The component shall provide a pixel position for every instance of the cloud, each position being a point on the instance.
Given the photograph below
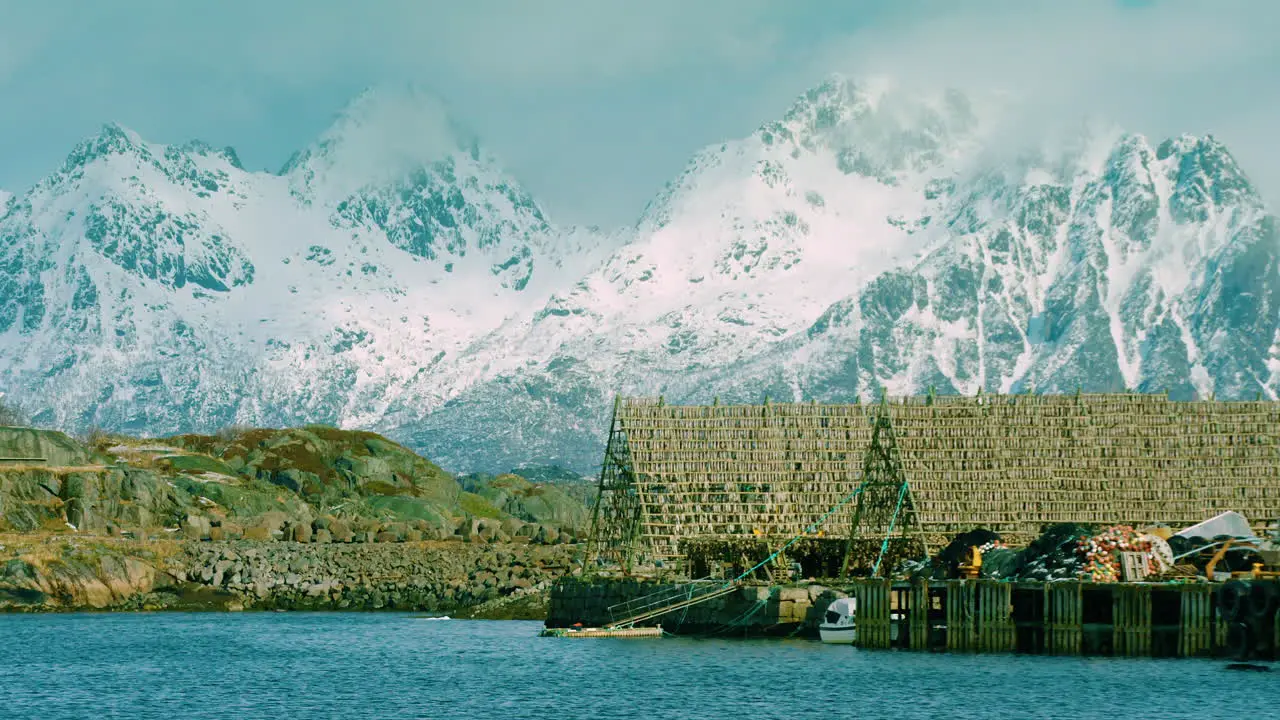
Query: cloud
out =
(1161, 68)
(595, 103)
(386, 133)
(1086, 42)
(300, 41)
(20, 42)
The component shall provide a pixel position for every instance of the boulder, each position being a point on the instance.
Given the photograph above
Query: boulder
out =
(366, 469)
(323, 536)
(302, 533)
(470, 531)
(274, 522)
(196, 527)
(512, 526)
(257, 532)
(341, 530)
(79, 513)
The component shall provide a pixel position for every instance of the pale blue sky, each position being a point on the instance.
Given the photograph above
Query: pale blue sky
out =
(594, 104)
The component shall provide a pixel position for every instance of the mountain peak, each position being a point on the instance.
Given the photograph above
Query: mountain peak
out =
(1206, 175)
(872, 112)
(385, 133)
(199, 147)
(835, 100)
(112, 139)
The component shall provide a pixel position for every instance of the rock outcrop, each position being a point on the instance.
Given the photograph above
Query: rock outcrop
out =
(93, 499)
(305, 484)
(310, 518)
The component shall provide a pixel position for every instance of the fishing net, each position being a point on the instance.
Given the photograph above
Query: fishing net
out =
(1055, 554)
(1001, 563)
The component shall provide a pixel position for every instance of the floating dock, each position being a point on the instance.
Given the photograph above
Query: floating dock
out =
(629, 632)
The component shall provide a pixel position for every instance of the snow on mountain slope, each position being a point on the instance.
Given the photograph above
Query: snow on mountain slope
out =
(871, 238)
(874, 240)
(759, 236)
(160, 288)
(1153, 269)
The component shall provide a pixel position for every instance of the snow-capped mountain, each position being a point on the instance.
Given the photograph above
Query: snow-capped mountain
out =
(155, 288)
(871, 238)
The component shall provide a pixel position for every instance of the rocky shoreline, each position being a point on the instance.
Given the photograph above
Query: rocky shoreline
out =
(312, 518)
(63, 573)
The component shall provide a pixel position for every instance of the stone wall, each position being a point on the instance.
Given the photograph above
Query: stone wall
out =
(749, 610)
(66, 573)
(401, 576)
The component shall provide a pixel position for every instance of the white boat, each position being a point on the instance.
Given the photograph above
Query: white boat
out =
(839, 626)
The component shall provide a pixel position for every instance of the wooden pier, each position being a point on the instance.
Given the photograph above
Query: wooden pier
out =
(1064, 618)
(1159, 619)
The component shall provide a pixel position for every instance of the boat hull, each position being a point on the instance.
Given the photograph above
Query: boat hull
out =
(838, 634)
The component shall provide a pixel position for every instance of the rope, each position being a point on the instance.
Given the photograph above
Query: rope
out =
(684, 614)
(856, 491)
(884, 546)
(742, 619)
(759, 604)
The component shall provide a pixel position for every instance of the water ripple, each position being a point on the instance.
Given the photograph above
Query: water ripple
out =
(272, 665)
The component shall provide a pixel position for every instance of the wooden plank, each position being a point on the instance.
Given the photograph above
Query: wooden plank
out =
(873, 612)
(1131, 620)
(995, 603)
(1195, 621)
(919, 615)
(1064, 618)
(961, 616)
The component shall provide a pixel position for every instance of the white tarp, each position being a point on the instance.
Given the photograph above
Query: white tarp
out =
(1228, 523)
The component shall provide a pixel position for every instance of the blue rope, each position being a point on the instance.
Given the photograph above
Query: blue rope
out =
(807, 530)
(884, 546)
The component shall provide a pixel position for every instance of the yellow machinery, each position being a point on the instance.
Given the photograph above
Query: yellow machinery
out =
(1257, 573)
(973, 568)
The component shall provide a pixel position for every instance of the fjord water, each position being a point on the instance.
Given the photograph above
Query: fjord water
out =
(341, 665)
